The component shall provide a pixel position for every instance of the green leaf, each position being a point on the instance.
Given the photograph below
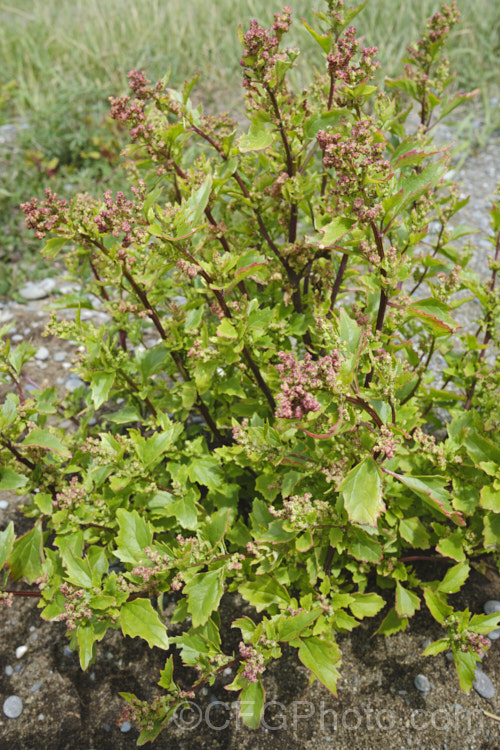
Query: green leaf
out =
(318, 122)
(406, 601)
(435, 315)
(167, 674)
(129, 413)
(135, 534)
(7, 537)
(490, 498)
(392, 623)
(350, 332)
(216, 529)
(45, 439)
(452, 546)
(78, 570)
(322, 658)
(258, 138)
(437, 647)
(204, 593)
(252, 704)
(86, 649)
(197, 202)
(366, 605)
(364, 548)
(304, 542)
(26, 557)
(289, 628)
(437, 605)
(413, 530)
(465, 663)
(431, 491)
(11, 480)
(484, 624)
(138, 619)
(100, 387)
(491, 531)
(54, 246)
(324, 40)
(226, 330)
(332, 232)
(206, 471)
(264, 592)
(455, 578)
(149, 450)
(362, 492)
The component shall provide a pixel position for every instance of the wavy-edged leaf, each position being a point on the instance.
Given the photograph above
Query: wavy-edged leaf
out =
(322, 658)
(204, 593)
(45, 439)
(138, 619)
(362, 493)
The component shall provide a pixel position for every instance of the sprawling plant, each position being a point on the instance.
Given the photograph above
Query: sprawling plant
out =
(262, 412)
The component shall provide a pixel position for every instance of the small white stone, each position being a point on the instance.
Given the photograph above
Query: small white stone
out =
(20, 651)
(125, 727)
(16, 338)
(13, 706)
(33, 291)
(42, 354)
(59, 356)
(9, 670)
(491, 607)
(4, 504)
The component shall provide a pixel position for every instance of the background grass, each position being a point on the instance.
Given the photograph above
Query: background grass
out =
(62, 59)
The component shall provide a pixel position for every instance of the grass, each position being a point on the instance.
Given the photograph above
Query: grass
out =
(61, 61)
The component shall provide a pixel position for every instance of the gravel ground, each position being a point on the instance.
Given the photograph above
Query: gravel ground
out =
(378, 704)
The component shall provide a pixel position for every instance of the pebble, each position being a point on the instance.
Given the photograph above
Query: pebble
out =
(20, 651)
(16, 338)
(4, 504)
(73, 382)
(37, 289)
(9, 671)
(41, 717)
(42, 354)
(483, 685)
(13, 706)
(125, 727)
(422, 683)
(494, 634)
(491, 606)
(67, 651)
(59, 356)
(36, 686)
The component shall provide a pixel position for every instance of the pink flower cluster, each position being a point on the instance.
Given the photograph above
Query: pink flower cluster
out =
(352, 157)
(478, 643)
(342, 63)
(75, 608)
(123, 216)
(299, 378)
(160, 564)
(298, 507)
(261, 52)
(387, 442)
(254, 662)
(70, 497)
(438, 27)
(44, 217)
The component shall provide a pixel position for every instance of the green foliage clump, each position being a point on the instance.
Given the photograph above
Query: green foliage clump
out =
(262, 414)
